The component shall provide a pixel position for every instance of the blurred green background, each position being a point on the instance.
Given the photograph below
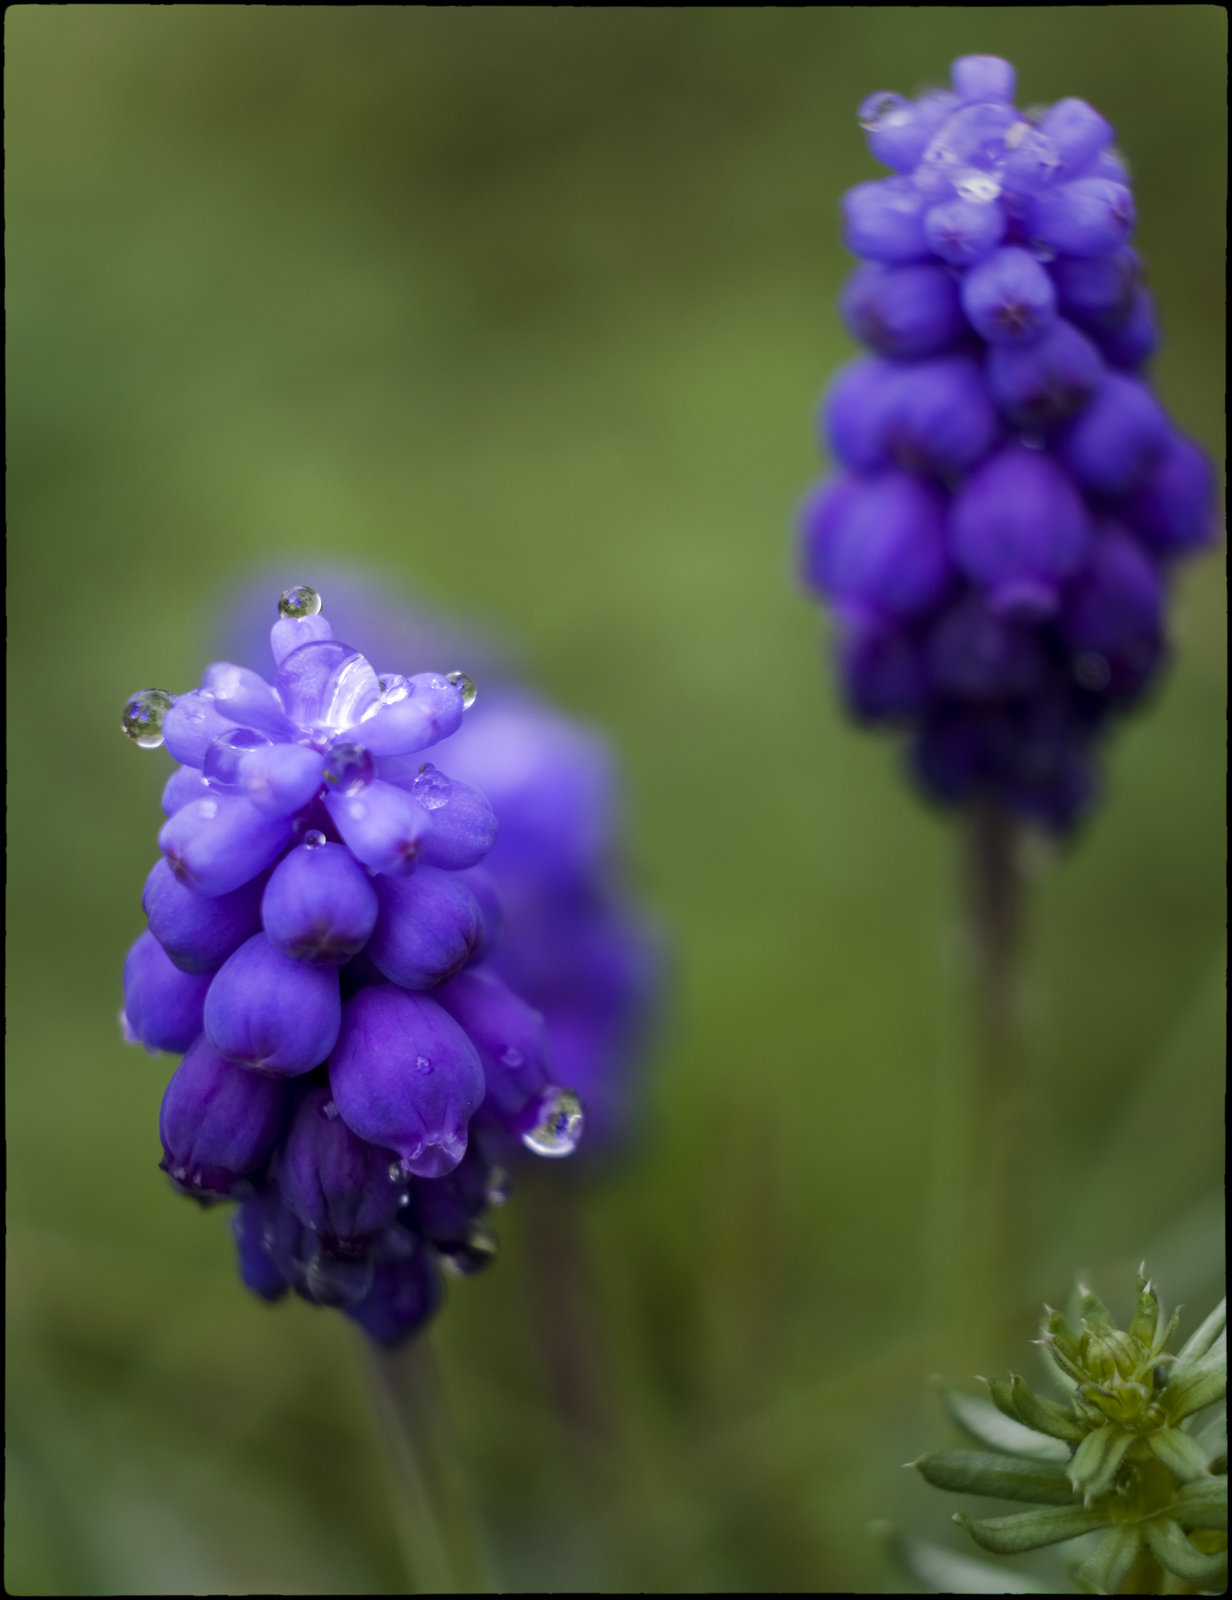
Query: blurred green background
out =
(530, 308)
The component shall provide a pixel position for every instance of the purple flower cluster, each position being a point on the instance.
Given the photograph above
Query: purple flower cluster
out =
(318, 927)
(1012, 495)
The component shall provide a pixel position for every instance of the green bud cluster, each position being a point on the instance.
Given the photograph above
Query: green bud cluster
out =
(1127, 1453)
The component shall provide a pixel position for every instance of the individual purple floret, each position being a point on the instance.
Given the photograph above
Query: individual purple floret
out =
(1010, 494)
(312, 923)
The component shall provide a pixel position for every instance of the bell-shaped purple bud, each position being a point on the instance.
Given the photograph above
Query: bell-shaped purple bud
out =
(881, 671)
(1134, 341)
(383, 826)
(899, 130)
(1032, 165)
(191, 726)
(429, 925)
(938, 418)
(336, 1184)
(1088, 217)
(198, 932)
(973, 654)
(271, 1013)
(319, 905)
(983, 78)
(405, 1076)
(1173, 510)
(279, 779)
(820, 517)
(429, 708)
(482, 885)
(963, 232)
(1019, 529)
(1097, 292)
(954, 756)
(218, 1123)
(1037, 385)
(185, 785)
(217, 844)
(404, 1295)
(854, 412)
(1116, 601)
(445, 1210)
(510, 1036)
(1112, 445)
(1078, 132)
(244, 697)
(162, 1004)
(1008, 297)
(885, 550)
(884, 220)
(464, 825)
(257, 1218)
(289, 633)
(906, 312)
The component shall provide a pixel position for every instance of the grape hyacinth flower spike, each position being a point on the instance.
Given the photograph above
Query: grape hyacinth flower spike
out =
(1011, 496)
(316, 928)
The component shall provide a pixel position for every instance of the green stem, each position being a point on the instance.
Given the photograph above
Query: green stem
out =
(436, 1522)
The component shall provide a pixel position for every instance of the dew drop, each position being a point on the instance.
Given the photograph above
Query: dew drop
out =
(422, 1064)
(348, 767)
(393, 687)
(142, 720)
(512, 1057)
(313, 840)
(396, 1174)
(329, 1110)
(465, 687)
(299, 601)
(222, 760)
(558, 1125)
(335, 1281)
(882, 110)
(980, 187)
(478, 1252)
(431, 787)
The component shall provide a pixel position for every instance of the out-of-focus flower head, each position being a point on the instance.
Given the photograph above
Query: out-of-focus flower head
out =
(1012, 496)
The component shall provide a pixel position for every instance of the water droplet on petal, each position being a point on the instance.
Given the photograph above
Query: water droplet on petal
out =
(558, 1125)
(337, 1281)
(222, 759)
(394, 687)
(313, 840)
(882, 110)
(422, 1064)
(512, 1057)
(348, 767)
(465, 687)
(431, 787)
(396, 1174)
(329, 1110)
(299, 601)
(980, 187)
(478, 1252)
(142, 720)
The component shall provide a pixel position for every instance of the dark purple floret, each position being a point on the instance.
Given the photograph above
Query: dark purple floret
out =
(403, 1296)
(990, 548)
(219, 1123)
(428, 927)
(336, 1183)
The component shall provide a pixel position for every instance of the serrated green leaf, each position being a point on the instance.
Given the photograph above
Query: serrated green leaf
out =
(1180, 1453)
(1170, 1546)
(1030, 1530)
(982, 1421)
(1098, 1459)
(1045, 1416)
(1201, 1339)
(1202, 1504)
(946, 1572)
(1145, 1320)
(1196, 1387)
(1107, 1566)
(1006, 1477)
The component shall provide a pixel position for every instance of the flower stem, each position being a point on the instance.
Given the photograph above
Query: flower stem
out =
(996, 1223)
(436, 1521)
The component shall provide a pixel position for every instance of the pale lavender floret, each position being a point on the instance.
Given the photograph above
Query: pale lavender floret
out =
(245, 698)
(289, 633)
(431, 710)
(271, 1013)
(1112, 445)
(405, 1076)
(183, 786)
(1032, 166)
(976, 135)
(1009, 297)
(162, 1004)
(899, 136)
(337, 1184)
(280, 779)
(216, 844)
(982, 78)
(428, 926)
(320, 905)
(510, 1036)
(963, 232)
(1077, 131)
(1018, 530)
(906, 312)
(382, 825)
(884, 220)
(886, 548)
(1088, 217)
(192, 725)
(464, 826)
(219, 1124)
(1037, 385)
(198, 932)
